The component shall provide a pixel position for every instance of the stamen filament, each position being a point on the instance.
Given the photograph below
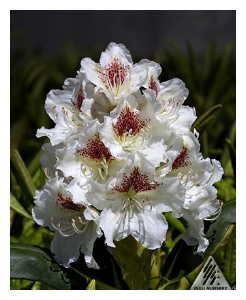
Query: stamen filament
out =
(76, 229)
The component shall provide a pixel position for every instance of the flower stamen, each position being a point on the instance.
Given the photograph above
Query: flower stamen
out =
(216, 214)
(64, 231)
(76, 229)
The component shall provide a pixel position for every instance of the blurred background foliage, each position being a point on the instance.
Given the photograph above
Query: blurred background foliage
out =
(210, 79)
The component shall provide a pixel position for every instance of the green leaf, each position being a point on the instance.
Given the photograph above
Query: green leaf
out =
(117, 275)
(16, 206)
(230, 258)
(34, 263)
(17, 284)
(22, 175)
(176, 223)
(37, 264)
(135, 263)
(204, 124)
(232, 152)
(204, 120)
(226, 189)
(165, 284)
(218, 228)
(92, 285)
(175, 262)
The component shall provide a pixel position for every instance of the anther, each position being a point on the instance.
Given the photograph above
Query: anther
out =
(180, 176)
(76, 229)
(54, 112)
(81, 221)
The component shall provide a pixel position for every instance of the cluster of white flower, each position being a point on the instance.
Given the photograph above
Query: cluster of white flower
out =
(120, 155)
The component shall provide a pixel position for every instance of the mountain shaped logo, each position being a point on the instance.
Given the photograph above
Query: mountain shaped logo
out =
(210, 278)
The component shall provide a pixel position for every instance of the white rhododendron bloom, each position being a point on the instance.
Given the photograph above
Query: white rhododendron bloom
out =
(115, 75)
(197, 175)
(75, 223)
(132, 203)
(120, 155)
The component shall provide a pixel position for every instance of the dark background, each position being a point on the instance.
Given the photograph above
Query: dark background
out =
(142, 32)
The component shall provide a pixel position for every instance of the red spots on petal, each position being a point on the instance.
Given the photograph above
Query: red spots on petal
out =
(136, 181)
(95, 150)
(153, 85)
(114, 74)
(79, 98)
(68, 204)
(182, 160)
(128, 121)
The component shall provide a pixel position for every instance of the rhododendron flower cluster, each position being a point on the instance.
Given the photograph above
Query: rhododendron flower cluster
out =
(122, 154)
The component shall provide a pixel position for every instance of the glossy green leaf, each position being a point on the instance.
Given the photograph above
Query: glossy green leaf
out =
(34, 263)
(37, 264)
(218, 228)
